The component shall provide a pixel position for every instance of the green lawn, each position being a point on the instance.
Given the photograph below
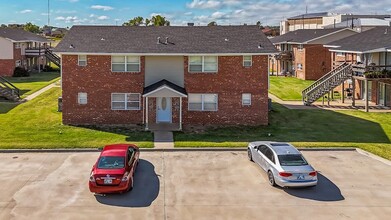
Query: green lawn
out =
(34, 82)
(37, 124)
(305, 128)
(288, 88)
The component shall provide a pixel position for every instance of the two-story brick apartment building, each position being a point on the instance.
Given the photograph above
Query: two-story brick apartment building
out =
(165, 75)
(302, 53)
(20, 48)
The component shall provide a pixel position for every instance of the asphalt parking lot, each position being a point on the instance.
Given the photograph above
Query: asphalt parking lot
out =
(193, 185)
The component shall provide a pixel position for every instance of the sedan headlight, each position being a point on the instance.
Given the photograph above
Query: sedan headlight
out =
(125, 177)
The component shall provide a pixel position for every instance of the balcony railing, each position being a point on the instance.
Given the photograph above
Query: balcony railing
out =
(372, 70)
(34, 51)
(285, 55)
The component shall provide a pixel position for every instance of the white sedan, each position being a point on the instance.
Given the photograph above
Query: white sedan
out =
(284, 164)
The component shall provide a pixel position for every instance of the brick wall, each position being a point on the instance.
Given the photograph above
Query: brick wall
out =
(229, 83)
(97, 80)
(7, 67)
(317, 61)
(232, 79)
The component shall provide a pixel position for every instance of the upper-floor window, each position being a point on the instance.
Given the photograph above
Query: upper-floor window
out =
(125, 63)
(247, 61)
(17, 45)
(82, 60)
(300, 47)
(202, 102)
(125, 101)
(203, 64)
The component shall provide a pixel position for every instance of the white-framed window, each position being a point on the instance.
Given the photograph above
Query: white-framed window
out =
(18, 63)
(82, 98)
(299, 66)
(17, 45)
(340, 54)
(82, 60)
(203, 64)
(203, 102)
(246, 99)
(125, 63)
(300, 47)
(125, 101)
(247, 61)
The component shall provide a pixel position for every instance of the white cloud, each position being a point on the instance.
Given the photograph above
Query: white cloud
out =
(72, 1)
(102, 7)
(25, 11)
(103, 17)
(92, 15)
(60, 18)
(204, 4)
(71, 19)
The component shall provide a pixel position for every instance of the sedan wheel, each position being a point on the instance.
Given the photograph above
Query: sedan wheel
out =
(250, 156)
(271, 178)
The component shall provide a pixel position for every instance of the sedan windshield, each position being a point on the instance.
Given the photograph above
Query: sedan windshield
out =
(292, 160)
(111, 162)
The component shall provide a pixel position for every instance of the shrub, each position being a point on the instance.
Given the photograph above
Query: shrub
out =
(20, 72)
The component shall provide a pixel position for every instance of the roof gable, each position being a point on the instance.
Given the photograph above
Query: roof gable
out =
(19, 35)
(378, 38)
(181, 40)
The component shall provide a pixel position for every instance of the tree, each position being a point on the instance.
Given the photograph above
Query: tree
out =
(31, 27)
(136, 21)
(159, 20)
(259, 23)
(3, 25)
(212, 23)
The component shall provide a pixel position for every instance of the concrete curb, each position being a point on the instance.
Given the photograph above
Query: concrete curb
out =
(81, 150)
(375, 157)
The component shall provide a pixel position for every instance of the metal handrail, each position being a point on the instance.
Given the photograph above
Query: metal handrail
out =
(321, 79)
(9, 85)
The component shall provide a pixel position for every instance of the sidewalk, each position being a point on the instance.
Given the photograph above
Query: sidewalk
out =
(163, 140)
(39, 92)
(334, 105)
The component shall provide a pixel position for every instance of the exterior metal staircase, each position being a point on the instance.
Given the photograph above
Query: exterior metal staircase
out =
(326, 83)
(8, 90)
(53, 57)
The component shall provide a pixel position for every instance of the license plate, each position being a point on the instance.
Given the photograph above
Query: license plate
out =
(108, 181)
(300, 177)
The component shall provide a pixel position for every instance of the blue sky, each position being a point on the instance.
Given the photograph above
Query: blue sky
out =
(65, 13)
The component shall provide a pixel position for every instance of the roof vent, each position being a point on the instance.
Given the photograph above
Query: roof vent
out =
(386, 31)
(226, 39)
(158, 40)
(166, 40)
(71, 46)
(102, 38)
(260, 46)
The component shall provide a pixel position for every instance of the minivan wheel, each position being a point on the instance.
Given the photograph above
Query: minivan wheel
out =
(250, 156)
(271, 178)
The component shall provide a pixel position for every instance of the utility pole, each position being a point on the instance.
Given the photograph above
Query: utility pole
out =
(48, 13)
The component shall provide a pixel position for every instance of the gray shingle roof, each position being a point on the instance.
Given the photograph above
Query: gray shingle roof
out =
(373, 39)
(183, 40)
(16, 34)
(303, 35)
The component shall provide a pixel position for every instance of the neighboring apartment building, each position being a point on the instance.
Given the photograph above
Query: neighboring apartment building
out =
(155, 76)
(360, 24)
(20, 48)
(368, 52)
(302, 53)
(320, 20)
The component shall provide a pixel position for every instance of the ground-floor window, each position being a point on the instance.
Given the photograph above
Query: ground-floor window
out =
(203, 102)
(18, 63)
(384, 93)
(82, 98)
(125, 101)
(246, 99)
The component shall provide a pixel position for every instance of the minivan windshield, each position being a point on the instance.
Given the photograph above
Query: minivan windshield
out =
(111, 162)
(292, 160)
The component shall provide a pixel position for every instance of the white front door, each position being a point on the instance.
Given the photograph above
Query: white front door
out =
(382, 94)
(163, 110)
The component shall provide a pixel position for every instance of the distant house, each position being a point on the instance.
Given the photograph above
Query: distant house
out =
(369, 53)
(19, 48)
(302, 53)
(165, 76)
